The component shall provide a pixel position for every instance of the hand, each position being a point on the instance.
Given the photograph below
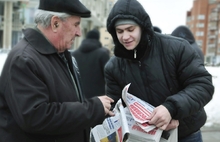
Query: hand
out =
(160, 117)
(106, 101)
(172, 125)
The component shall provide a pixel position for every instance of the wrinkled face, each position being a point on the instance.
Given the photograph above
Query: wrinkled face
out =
(69, 29)
(129, 35)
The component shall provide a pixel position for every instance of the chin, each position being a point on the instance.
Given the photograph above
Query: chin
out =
(68, 47)
(130, 48)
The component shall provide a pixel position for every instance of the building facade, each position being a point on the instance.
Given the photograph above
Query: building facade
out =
(203, 21)
(106, 40)
(18, 14)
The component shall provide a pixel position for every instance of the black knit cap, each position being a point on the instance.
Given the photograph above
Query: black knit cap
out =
(93, 34)
(72, 7)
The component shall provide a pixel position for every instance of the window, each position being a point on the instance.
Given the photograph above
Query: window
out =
(199, 42)
(29, 15)
(200, 25)
(188, 19)
(201, 17)
(199, 33)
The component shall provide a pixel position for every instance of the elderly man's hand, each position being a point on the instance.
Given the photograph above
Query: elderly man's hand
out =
(106, 101)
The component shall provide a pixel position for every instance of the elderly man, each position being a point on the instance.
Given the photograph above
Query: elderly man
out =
(40, 94)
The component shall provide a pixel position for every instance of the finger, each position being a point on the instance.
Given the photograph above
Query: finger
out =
(152, 115)
(169, 127)
(163, 127)
(110, 99)
(153, 120)
(110, 113)
(159, 125)
(106, 111)
(108, 106)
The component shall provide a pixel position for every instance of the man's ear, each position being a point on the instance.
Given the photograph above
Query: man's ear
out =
(54, 23)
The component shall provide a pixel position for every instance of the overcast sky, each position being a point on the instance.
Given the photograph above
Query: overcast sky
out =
(167, 14)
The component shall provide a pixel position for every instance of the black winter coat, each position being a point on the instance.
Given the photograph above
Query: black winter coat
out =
(166, 71)
(91, 58)
(185, 33)
(38, 102)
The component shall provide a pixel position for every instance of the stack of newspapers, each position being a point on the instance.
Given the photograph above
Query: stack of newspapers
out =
(130, 124)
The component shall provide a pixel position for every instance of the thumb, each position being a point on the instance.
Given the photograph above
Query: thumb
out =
(152, 115)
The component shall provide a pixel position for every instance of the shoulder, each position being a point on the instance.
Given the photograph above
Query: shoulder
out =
(104, 50)
(114, 63)
(111, 62)
(172, 44)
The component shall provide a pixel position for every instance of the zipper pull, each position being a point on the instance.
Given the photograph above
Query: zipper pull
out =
(135, 53)
(139, 63)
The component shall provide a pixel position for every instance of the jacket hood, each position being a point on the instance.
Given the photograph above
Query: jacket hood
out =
(185, 33)
(93, 34)
(129, 9)
(89, 45)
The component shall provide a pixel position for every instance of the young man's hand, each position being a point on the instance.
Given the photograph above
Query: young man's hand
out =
(160, 117)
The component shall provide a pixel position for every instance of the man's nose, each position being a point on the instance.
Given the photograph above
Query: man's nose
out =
(78, 32)
(125, 35)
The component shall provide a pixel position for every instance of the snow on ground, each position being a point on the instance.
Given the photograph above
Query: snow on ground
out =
(2, 60)
(212, 108)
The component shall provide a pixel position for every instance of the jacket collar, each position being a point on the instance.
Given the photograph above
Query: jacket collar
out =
(38, 41)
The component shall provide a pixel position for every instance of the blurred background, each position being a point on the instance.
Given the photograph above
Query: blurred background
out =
(18, 14)
(201, 16)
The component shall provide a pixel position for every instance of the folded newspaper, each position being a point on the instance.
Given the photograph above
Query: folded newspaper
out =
(130, 124)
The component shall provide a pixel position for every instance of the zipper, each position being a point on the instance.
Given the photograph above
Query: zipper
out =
(135, 53)
(139, 62)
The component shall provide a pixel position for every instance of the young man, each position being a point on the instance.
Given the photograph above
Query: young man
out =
(163, 71)
(40, 92)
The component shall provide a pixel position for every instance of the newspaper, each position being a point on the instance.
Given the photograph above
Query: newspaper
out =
(139, 109)
(130, 124)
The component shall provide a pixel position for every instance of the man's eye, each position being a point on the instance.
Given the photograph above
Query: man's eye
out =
(119, 32)
(130, 30)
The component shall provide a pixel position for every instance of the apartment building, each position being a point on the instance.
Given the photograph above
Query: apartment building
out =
(18, 14)
(100, 10)
(203, 20)
(106, 40)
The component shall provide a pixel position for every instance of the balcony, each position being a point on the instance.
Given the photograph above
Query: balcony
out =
(211, 46)
(212, 36)
(212, 28)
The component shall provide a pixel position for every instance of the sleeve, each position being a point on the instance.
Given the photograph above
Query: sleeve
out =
(29, 102)
(113, 89)
(195, 81)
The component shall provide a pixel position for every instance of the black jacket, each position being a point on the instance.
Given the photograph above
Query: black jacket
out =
(169, 72)
(185, 33)
(38, 102)
(91, 58)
